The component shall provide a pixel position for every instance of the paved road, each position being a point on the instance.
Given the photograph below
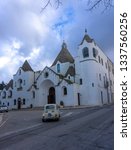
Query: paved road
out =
(78, 129)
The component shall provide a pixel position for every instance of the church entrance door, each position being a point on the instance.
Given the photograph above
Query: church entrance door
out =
(51, 96)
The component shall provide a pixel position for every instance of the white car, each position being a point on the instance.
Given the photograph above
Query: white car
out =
(51, 112)
(3, 108)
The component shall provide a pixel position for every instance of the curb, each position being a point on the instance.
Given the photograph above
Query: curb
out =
(64, 108)
(83, 107)
(75, 107)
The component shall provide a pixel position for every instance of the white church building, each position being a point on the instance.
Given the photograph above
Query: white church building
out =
(87, 79)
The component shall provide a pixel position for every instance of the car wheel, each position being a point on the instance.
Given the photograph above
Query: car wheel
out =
(43, 120)
(58, 119)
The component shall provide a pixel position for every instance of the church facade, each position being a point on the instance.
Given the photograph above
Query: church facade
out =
(87, 79)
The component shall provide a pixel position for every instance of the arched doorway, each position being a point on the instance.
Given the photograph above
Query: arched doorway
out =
(51, 96)
(19, 103)
(47, 92)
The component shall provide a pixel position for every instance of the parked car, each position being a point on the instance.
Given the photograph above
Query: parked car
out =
(3, 108)
(51, 112)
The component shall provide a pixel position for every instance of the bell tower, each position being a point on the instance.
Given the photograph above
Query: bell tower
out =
(87, 68)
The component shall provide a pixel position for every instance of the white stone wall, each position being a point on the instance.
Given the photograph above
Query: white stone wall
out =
(69, 99)
(44, 83)
(63, 67)
(92, 90)
(89, 69)
(27, 80)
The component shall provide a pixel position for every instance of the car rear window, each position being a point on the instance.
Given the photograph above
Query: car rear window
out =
(50, 107)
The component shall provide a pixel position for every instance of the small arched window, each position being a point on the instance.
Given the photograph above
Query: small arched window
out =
(64, 91)
(106, 65)
(4, 94)
(80, 81)
(99, 59)
(46, 74)
(20, 72)
(85, 52)
(33, 94)
(92, 84)
(95, 52)
(10, 94)
(14, 101)
(100, 76)
(24, 82)
(23, 101)
(58, 68)
(19, 84)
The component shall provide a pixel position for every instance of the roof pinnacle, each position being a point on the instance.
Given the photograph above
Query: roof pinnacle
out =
(64, 45)
(85, 31)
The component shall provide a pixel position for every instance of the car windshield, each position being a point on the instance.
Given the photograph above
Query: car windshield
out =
(3, 106)
(50, 107)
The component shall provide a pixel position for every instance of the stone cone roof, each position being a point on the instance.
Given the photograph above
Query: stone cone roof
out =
(2, 86)
(64, 55)
(26, 66)
(86, 38)
(70, 71)
(10, 84)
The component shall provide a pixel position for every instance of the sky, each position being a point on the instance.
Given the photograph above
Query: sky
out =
(26, 33)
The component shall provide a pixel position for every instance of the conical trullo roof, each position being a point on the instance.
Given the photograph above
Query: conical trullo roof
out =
(86, 38)
(26, 66)
(64, 55)
(10, 84)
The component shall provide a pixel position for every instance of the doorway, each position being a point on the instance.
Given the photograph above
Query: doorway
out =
(51, 96)
(19, 103)
(102, 97)
(78, 95)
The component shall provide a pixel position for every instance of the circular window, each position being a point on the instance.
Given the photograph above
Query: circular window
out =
(46, 74)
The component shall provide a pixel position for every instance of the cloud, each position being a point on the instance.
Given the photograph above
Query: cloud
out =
(64, 20)
(26, 33)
